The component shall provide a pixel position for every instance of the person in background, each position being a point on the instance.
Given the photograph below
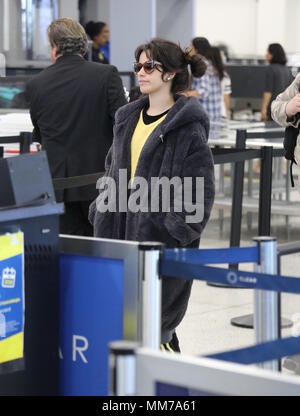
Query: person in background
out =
(207, 88)
(224, 78)
(72, 107)
(98, 32)
(285, 111)
(278, 78)
(224, 49)
(161, 135)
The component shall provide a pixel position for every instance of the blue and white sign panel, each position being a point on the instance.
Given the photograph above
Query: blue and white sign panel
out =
(91, 316)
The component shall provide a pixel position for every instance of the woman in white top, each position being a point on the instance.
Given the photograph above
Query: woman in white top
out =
(224, 79)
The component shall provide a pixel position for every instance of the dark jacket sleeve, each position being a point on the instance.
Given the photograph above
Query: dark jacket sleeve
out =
(186, 226)
(93, 215)
(115, 92)
(33, 112)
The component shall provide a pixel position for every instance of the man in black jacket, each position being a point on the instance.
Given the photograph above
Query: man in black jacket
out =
(72, 107)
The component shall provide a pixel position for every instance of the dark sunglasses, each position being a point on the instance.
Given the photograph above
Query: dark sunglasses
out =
(148, 66)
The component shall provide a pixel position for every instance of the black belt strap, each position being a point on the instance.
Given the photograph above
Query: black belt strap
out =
(76, 181)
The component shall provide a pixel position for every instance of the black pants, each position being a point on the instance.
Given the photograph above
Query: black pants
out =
(172, 346)
(75, 220)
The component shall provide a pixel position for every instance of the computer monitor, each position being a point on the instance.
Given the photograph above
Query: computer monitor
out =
(12, 93)
(247, 81)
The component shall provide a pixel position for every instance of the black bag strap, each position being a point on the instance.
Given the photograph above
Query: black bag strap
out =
(291, 174)
(293, 161)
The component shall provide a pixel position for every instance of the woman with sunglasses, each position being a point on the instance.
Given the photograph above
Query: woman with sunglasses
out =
(161, 135)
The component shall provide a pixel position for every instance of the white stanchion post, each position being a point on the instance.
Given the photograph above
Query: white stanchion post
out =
(151, 295)
(122, 368)
(266, 303)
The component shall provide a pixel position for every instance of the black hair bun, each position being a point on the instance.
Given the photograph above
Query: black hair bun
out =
(198, 66)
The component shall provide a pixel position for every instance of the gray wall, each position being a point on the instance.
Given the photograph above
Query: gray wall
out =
(1, 26)
(15, 32)
(2, 60)
(175, 20)
(103, 13)
(97, 10)
(69, 8)
(131, 22)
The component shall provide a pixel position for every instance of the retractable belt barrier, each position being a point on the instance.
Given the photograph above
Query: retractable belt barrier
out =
(10, 139)
(187, 264)
(220, 156)
(211, 256)
(76, 181)
(195, 264)
(261, 353)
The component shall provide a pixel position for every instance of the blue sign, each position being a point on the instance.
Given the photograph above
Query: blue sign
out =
(91, 316)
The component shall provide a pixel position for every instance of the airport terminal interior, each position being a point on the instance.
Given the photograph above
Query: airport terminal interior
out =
(65, 295)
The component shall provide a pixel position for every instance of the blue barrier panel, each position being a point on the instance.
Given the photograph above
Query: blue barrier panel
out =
(261, 353)
(214, 256)
(236, 278)
(91, 316)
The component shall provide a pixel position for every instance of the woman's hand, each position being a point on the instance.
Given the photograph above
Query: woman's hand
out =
(293, 106)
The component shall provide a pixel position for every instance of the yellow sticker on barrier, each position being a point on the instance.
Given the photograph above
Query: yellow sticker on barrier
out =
(11, 245)
(11, 348)
(11, 297)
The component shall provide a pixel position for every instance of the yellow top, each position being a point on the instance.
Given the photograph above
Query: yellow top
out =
(139, 138)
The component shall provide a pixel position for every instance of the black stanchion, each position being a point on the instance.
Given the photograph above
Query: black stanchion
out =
(266, 155)
(264, 225)
(237, 195)
(239, 155)
(237, 199)
(25, 142)
(265, 192)
(24, 139)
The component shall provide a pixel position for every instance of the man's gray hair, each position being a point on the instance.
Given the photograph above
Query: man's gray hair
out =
(68, 36)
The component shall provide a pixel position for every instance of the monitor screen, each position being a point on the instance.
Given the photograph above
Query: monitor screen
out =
(12, 93)
(247, 81)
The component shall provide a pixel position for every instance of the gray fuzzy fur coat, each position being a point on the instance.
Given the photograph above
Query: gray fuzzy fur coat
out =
(177, 147)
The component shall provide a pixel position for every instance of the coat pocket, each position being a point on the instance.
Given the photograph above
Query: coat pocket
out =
(151, 228)
(180, 230)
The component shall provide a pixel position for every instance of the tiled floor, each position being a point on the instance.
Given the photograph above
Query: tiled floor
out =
(206, 327)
